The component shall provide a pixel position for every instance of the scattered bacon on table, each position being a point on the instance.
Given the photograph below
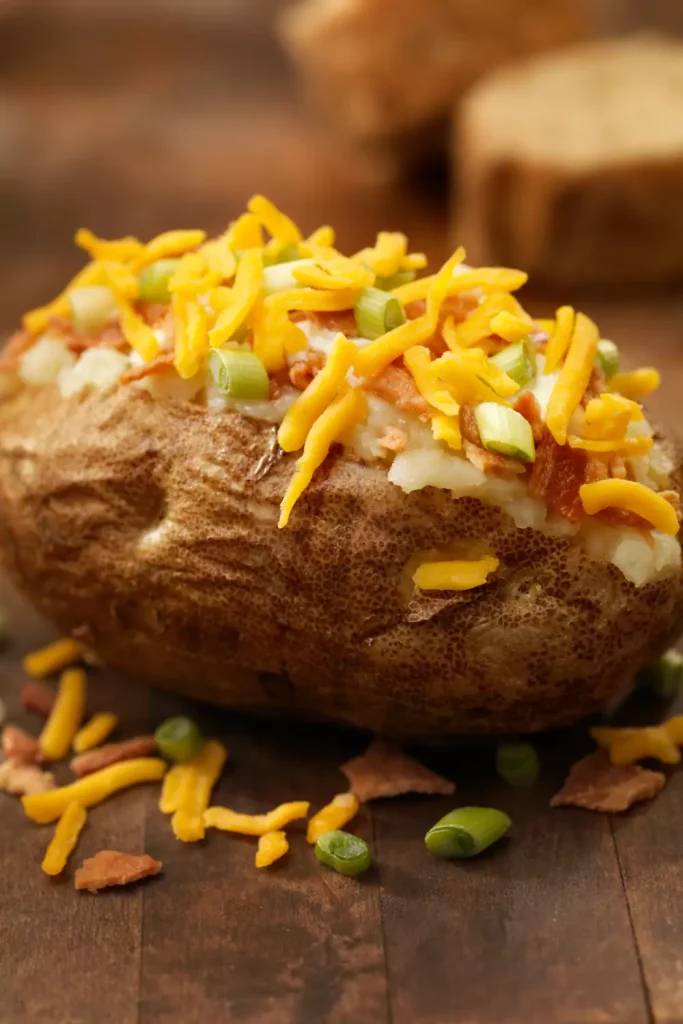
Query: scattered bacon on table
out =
(19, 746)
(36, 696)
(597, 785)
(112, 753)
(384, 771)
(111, 867)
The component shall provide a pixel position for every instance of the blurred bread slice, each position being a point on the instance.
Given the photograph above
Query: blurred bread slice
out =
(383, 69)
(571, 165)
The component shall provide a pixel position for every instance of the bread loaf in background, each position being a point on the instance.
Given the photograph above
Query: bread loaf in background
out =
(383, 69)
(571, 165)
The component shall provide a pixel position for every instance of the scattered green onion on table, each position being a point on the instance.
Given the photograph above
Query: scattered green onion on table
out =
(344, 852)
(154, 279)
(179, 739)
(517, 763)
(377, 312)
(466, 832)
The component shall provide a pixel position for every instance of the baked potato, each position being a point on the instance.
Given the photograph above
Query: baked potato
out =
(480, 534)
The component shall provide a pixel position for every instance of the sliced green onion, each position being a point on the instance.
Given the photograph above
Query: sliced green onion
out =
(377, 312)
(466, 831)
(607, 357)
(287, 254)
(238, 373)
(179, 739)
(344, 852)
(92, 307)
(387, 284)
(154, 280)
(505, 431)
(663, 677)
(518, 361)
(517, 763)
(279, 277)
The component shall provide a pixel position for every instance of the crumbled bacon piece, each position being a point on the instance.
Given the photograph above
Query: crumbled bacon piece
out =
(384, 770)
(596, 386)
(22, 779)
(527, 405)
(343, 321)
(459, 306)
(558, 473)
(396, 385)
(112, 753)
(36, 696)
(111, 867)
(109, 337)
(623, 517)
(468, 425)
(597, 785)
(674, 499)
(19, 746)
(617, 468)
(164, 361)
(393, 439)
(415, 309)
(302, 372)
(153, 313)
(18, 343)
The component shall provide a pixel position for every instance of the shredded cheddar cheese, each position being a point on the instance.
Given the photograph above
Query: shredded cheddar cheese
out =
(56, 656)
(312, 402)
(92, 789)
(137, 333)
(64, 840)
(339, 274)
(95, 732)
(419, 361)
(636, 384)
(447, 428)
(479, 324)
(198, 780)
(119, 250)
(271, 847)
(37, 320)
(248, 281)
(168, 243)
(255, 824)
(633, 497)
(625, 746)
(457, 575)
(574, 377)
(172, 788)
(473, 378)
(378, 354)
(312, 300)
(276, 223)
(560, 338)
(510, 327)
(65, 717)
(344, 412)
(629, 446)
(245, 233)
(336, 814)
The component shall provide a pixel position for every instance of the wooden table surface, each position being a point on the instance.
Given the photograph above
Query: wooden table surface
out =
(576, 919)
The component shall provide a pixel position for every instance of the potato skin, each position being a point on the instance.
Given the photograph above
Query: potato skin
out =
(142, 525)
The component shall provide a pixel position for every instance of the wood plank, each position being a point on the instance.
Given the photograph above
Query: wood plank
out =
(67, 957)
(537, 930)
(291, 944)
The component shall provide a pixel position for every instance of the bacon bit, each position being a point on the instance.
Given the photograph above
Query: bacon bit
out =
(622, 517)
(112, 753)
(416, 309)
(596, 386)
(35, 696)
(343, 320)
(19, 342)
(396, 385)
(486, 461)
(459, 306)
(111, 867)
(153, 312)
(558, 473)
(302, 372)
(384, 770)
(19, 746)
(109, 337)
(618, 469)
(597, 785)
(24, 779)
(394, 439)
(674, 499)
(527, 405)
(164, 361)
